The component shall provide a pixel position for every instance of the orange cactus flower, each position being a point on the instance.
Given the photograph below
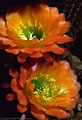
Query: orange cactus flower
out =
(50, 89)
(33, 31)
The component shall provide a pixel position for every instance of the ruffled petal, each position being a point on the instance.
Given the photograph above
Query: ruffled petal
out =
(23, 78)
(12, 50)
(53, 48)
(7, 41)
(73, 102)
(22, 98)
(11, 97)
(2, 26)
(22, 57)
(38, 114)
(48, 57)
(36, 55)
(14, 73)
(62, 17)
(22, 108)
(65, 39)
(64, 26)
(59, 113)
(14, 85)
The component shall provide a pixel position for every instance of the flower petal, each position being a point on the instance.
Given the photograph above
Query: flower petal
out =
(23, 78)
(65, 39)
(14, 73)
(38, 114)
(63, 26)
(53, 48)
(48, 57)
(73, 102)
(62, 17)
(14, 85)
(2, 26)
(22, 57)
(7, 41)
(22, 108)
(36, 55)
(22, 98)
(11, 97)
(12, 50)
(57, 112)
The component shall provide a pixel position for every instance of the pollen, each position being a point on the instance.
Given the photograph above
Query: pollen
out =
(47, 87)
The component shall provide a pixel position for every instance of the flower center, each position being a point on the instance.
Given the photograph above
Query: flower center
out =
(30, 32)
(45, 86)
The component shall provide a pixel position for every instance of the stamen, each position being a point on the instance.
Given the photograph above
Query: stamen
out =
(30, 31)
(47, 87)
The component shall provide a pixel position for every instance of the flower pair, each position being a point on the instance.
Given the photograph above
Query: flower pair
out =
(47, 85)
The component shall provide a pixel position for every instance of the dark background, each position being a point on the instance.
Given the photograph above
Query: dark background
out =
(73, 12)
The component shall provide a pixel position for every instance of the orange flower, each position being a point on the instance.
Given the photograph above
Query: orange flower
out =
(50, 89)
(33, 31)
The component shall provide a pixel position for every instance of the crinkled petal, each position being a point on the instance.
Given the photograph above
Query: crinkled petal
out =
(63, 26)
(65, 39)
(22, 108)
(38, 114)
(57, 112)
(62, 17)
(36, 55)
(13, 72)
(2, 26)
(73, 102)
(7, 41)
(22, 98)
(53, 48)
(11, 96)
(23, 78)
(22, 57)
(48, 57)
(15, 85)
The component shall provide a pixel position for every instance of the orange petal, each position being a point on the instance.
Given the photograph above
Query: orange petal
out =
(14, 73)
(36, 55)
(13, 21)
(73, 102)
(52, 39)
(48, 57)
(22, 98)
(12, 50)
(14, 85)
(65, 39)
(22, 57)
(11, 97)
(27, 50)
(63, 26)
(53, 48)
(23, 78)
(38, 114)
(7, 41)
(26, 43)
(57, 112)
(22, 108)
(2, 26)
(62, 17)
